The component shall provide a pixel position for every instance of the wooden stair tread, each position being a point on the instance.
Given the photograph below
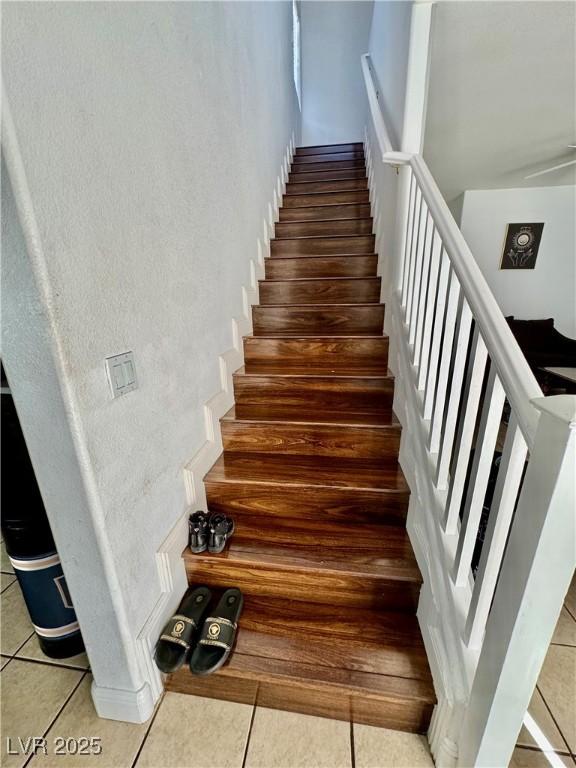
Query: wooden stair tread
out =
(308, 472)
(362, 640)
(304, 371)
(388, 557)
(337, 681)
(267, 413)
(346, 370)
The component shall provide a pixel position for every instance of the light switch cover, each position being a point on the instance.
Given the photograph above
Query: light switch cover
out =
(121, 373)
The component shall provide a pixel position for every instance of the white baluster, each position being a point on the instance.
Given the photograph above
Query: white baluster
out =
(502, 508)
(452, 410)
(412, 250)
(445, 360)
(420, 205)
(408, 239)
(481, 465)
(437, 335)
(422, 233)
(467, 422)
(430, 305)
(424, 297)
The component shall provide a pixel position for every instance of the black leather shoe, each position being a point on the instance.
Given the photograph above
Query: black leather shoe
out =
(221, 528)
(198, 531)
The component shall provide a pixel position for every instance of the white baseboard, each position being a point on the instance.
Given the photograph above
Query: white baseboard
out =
(138, 706)
(130, 706)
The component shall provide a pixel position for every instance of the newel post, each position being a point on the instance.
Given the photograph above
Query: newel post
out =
(535, 576)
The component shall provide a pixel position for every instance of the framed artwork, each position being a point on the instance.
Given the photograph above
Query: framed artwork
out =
(521, 246)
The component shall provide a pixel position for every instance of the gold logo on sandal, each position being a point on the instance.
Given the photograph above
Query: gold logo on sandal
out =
(178, 628)
(214, 630)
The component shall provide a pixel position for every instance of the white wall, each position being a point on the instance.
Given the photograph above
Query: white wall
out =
(150, 138)
(334, 36)
(549, 290)
(389, 46)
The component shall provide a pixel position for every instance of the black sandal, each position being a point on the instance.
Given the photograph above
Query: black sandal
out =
(221, 528)
(218, 634)
(177, 636)
(198, 531)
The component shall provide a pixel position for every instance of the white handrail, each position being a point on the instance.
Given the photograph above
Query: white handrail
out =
(519, 382)
(389, 155)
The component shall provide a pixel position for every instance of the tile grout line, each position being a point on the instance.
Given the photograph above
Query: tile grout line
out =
(352, 746)
(61, 709)
(145, 738)
(50, 664)
(563, 645)
(248, 737)
(553, 719)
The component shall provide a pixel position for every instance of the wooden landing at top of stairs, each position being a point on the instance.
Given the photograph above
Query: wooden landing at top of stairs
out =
(310, 474)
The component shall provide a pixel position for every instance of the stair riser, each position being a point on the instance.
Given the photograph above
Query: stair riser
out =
(320, 266)
(303, 174)
(304, 439)
(329, 149)
(318, 321)
(310, 187)
(336, 165)
(396, 714)
(320, 246)
(311, 228)
(363, 290)
(328, 198)
(332, 353)
(324, 157)
(358, 395)
(308, 502)
(334, 588)
(326, 212)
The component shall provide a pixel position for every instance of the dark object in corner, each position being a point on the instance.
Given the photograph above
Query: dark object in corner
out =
(543, 346)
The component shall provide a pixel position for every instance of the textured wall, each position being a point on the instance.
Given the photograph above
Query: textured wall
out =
(334, 36)
(151, 136)
(528, 294)
(388, 46)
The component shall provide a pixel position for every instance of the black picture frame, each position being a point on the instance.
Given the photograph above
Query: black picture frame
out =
(521, 246)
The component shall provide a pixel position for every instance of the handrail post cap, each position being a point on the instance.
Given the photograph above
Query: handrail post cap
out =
(562, 407)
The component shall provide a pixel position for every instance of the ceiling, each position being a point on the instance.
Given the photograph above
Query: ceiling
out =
(502, 97)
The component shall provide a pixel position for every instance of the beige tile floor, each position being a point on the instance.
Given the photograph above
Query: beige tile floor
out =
(43, 697)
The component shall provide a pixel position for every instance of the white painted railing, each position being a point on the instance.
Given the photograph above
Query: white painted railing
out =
(464, 390)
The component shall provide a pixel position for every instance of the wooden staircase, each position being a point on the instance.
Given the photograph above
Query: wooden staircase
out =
(310, 474)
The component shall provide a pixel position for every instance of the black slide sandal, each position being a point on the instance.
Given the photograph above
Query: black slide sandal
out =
(218, 634)
(178, 634)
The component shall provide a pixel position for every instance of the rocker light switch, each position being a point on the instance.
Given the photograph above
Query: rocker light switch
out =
(121, 373)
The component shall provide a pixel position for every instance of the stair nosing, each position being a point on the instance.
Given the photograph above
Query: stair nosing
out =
(323, 237)
(259, 560)
(233, 419)
(242, 372)
(316, 221)
(324, 306)
(323, 181)
(317, 255)
(284, 483)
(316, 279)
(318, 336)
(328, 205)
(326, 192)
